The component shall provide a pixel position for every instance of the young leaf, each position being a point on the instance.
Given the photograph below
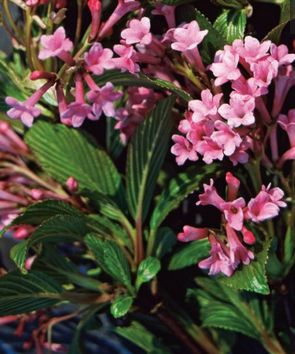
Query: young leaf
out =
(140, 336)
(65, 152)
(190, 254)
(121, 306)
(251, 277)
(178, 188)
(147, 270)
(111, 258)
(127, 79)
(61, 228)
(21, 293)
(232, 24)
(146, 153)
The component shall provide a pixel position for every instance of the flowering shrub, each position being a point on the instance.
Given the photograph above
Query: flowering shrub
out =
(149, 87)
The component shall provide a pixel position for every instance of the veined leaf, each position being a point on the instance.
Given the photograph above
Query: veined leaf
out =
(65, 152)
(121, 305)
(24, 293)
(147, 270)
(146, 153)
(251, 277)
(61, 228)
(178, 188)
(127, 79)
(232, 24)
(190, 254)
(164, 241)
(111, 258)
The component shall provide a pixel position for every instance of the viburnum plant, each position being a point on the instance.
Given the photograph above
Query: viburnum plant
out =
(122, 123)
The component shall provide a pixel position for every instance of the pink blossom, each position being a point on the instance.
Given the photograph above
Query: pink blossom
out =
(188, 37)
(127, 123)
(206, 107)
(72, 184)
(127, 58)
(103, 98)
(262, 208)
(253, 50)
(185, 125)
(288, 155)
(95, 10)
(275, 194)
(192, 234)
(265, 71)
(167, 11)
(138, 32)
(288, 124)
(225, 67)
(210, 150)
(198, 132)
(248, 236)
(283, 82)
(281, 54)
(238, 112)
(183, 150)
(240, 155)
(233, 212)
(248, 89)
(210, 197)
(219, 260)
(10, 140)
(238, 253)
(23, 232)
(226, 138)
(56, 45)
(233, 186)
(98, 59)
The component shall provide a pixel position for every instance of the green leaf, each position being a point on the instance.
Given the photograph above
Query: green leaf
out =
(178, 188)
(287, 15)
(126, 79)
(21, 293)
(111, 258)
(61, 228)
(146, 153)
(232, 24)
(121, 306)
(175, 2)
(41, 211)
(235, 4)
(165, 240)
(147, 270)
(144, 339)
(251, 277)
(190, 254)
(65, 152)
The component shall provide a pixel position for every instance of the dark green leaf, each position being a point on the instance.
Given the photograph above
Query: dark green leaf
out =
(140, 336)
(146, 153)
(175, 2)
(121, 305)
(232, 24)
(65, 152)
(61, 228)
(236, 4)
(147, 270)
(251, 277)
(127, 79)
(165, 240)
(190, 254)
(111, 259)
(21, 293)
(178, 188)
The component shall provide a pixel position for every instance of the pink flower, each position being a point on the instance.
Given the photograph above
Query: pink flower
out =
(225, 67)
(138, 32)
(238, 112)
(95, 10)
(206, 107)
(275, 194)
(240, 155)
(248, 89)
(72, 184)
(248, 236)
(127, 58)
(192, 234)
(10, 141)
(23, 232)
(233, 212)
(219, 260)
(226, 138)
(98, 59)
(281, 54)
(56, 45)
(183, 150)
(262, 207)
(283, 82)
(288, 124)
(127, 123)
(233, 186)
(167, 11)
(238, 253)
(188, 37)
(265, 71)
(26, 111)
(103, 98)
(198, 132)
(210, 150)
(210, 197)
(253, 50)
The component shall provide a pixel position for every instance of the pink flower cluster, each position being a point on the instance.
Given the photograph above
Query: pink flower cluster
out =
(214, 129)
(228, 251)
